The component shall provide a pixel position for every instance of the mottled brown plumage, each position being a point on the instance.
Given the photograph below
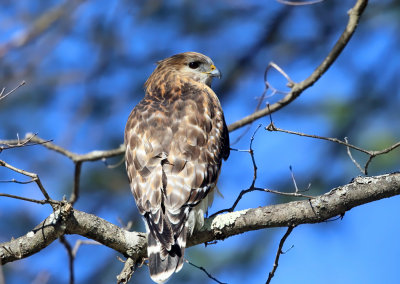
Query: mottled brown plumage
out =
(176, 138)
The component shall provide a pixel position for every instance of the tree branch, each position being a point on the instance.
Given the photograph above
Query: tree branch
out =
(67, 220)
(298, 88)
(371, 154)
(91, 156)
(279, 252)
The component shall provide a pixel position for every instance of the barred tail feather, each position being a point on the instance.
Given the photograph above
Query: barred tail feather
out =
(163, 263)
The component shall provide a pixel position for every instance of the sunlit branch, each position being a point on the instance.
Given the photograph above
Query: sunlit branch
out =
(2, 95)
(67, 220)
(29, 199)
(16, 143)
(251, 188)
(38, 27)
(77, 177)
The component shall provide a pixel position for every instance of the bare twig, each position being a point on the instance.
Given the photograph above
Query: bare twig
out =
(370, 153)
(352, 159)
(298, 88)
(299, 3)
(53, 202)
(41, 278)
(78, 159)
(205, 271)
(2, 95)
(82, 242)
(278, 253)
(71, 258)
(293, 194)
(77, 177)
(91, 156)
(113, 166)
(8, 144)
(275, 66)
(33, 176)
(38, 27)
(295, 184)
(16, 181)
(251, 188)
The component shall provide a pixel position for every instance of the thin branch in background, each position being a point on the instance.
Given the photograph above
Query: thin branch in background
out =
(279, 252)
(128, 226)
(35, 178)
(8, 144)
(275, 66)
(90, 156)
(298, 88)
(251, 152)
(42, 277)
(299, 3)
(293, 194)
(205, 271)
(71, 258)
(77, 176)
(113, 166)
(251, 188)
(2, 95)
(293, 179)
(38, 27)
(352, 159)
(260, 100)
(268, 87)
(272, 128)
(295, 184)
(30, 199)
(82, 242)
(371, 154)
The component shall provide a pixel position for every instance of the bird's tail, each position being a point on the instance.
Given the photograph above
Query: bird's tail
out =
(164, 262)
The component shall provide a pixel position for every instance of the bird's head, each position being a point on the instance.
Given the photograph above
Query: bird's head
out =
(192, 64)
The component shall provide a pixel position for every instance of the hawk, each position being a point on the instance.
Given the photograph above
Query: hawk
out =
(176, 138)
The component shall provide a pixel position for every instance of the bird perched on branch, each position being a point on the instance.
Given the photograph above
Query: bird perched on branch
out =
(176, 138)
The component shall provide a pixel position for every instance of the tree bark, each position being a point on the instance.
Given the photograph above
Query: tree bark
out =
(336, 202)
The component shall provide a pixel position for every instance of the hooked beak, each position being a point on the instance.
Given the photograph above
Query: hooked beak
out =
(215, 72)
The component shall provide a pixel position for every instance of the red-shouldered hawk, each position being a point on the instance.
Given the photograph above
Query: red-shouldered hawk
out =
(176, 138)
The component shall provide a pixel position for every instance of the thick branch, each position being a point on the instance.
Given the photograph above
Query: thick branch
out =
(133, 244)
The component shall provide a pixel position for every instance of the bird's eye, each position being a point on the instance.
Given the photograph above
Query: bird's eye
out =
(194, 64)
